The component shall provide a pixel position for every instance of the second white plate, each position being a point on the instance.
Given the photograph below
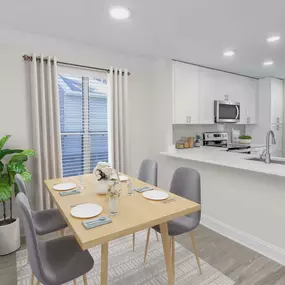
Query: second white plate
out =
(155, 195)
(122, 178)
(64, 186)
(87, 210)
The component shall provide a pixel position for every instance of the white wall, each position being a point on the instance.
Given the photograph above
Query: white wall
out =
(149, 90)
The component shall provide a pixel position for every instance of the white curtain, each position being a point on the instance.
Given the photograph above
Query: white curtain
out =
(45, 126)
(118, 111)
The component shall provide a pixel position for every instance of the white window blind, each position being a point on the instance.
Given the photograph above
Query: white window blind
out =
(83, 120)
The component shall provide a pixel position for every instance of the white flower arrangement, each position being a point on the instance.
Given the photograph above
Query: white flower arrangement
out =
(103, 171)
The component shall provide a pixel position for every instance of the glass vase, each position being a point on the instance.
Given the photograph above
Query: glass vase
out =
(113, 205)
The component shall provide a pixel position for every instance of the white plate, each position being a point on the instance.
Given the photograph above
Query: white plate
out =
(122, 177)
(86, 210)
(155, 195)
(64, 186)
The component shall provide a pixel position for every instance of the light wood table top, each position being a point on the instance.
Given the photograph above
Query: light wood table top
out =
(135, 213)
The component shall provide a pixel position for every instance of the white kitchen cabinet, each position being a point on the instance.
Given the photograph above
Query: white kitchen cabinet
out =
(276, 101)
(276, 150)
(270, 112)
(211, 86)
(186, 93)
(250, 89)
(196, 88)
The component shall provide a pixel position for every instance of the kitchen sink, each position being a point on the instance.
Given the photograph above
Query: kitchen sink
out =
(275, 161)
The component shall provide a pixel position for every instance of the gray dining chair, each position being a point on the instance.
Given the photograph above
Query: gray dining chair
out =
(148, 174)
(46, 221)
(185, 183)
(55, 261)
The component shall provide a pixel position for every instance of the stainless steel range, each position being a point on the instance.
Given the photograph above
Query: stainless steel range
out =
(221, 140)
(215, 139)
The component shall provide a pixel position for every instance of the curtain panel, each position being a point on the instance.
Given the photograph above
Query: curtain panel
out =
(118, 112)
(45, 125)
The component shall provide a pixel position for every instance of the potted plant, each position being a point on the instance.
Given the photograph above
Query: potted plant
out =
(245, 139)
(197, 142)
(9, 167)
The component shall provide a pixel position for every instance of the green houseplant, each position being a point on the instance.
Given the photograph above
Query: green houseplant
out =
(245, 139)
(12, 162)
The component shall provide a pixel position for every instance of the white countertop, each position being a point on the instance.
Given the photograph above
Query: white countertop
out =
(217, 156)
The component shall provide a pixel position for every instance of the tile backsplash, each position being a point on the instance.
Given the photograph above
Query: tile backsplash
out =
(193, 130)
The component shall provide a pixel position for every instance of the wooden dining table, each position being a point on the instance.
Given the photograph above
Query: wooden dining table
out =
(135, 213)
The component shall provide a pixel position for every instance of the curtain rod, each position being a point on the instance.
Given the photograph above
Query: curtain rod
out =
(30, 58)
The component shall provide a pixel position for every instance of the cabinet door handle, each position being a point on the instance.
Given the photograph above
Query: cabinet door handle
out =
(278, 120)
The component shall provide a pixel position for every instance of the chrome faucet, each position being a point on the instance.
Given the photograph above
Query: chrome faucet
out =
(266, 153)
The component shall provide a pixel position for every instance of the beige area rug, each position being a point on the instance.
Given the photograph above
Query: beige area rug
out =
(127, 268)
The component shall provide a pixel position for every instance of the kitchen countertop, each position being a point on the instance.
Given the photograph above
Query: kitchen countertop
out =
(220, 157)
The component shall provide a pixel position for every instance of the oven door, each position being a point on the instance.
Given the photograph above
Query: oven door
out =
(227, 112)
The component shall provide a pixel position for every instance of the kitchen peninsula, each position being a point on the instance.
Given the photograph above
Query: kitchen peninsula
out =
(241, 199)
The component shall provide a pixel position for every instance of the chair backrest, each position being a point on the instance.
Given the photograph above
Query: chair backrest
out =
(33, 246)
(186, 183)
(21, 184)
(148, 172)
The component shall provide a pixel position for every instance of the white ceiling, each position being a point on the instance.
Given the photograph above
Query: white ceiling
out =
(196, 31)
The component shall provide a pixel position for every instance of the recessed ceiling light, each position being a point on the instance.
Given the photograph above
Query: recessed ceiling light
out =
(120, 12)
(230, 52)
(268, 62)
(273, 39)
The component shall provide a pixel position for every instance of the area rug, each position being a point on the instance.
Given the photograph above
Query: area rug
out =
(126, 267)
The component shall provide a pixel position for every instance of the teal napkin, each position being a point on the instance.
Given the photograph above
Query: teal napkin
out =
(144, 189)
(69, 192)
(90, 224)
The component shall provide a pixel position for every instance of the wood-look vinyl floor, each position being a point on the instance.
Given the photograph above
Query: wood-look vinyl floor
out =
(239, 263)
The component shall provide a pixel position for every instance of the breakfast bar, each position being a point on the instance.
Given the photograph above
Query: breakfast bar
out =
(242, 199)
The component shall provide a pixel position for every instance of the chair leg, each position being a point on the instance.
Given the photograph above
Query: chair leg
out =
(74, 281)
(85, 280)
(146, 245)
(134, 241)
(32, 279)
(173, 253)
(195, 251)
(156, 235)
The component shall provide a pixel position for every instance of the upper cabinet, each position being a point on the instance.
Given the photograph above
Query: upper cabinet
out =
(186, 94)
(276, 101)
(196, 89)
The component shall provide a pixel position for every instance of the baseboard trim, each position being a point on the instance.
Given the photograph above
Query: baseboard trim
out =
(271, 251)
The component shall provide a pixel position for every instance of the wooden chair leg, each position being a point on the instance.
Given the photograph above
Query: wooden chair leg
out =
(156, 235)
(134, 241)
(74, 281)
(85, 280)
(173, 253)
(32, 280)
(146, 245)
(166, 249)
(195, 251)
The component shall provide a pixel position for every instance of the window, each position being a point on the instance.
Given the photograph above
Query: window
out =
(83, 122)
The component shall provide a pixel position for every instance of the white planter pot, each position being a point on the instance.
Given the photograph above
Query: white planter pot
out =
(245, 141)
(102, 187)
(10, 237)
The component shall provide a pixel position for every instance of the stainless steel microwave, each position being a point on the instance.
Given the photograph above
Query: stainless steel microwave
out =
(226, 112)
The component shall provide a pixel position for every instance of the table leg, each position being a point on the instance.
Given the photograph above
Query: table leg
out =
(104, 264)
(166, 248)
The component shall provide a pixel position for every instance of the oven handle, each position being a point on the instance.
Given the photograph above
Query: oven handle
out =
(237, 112)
